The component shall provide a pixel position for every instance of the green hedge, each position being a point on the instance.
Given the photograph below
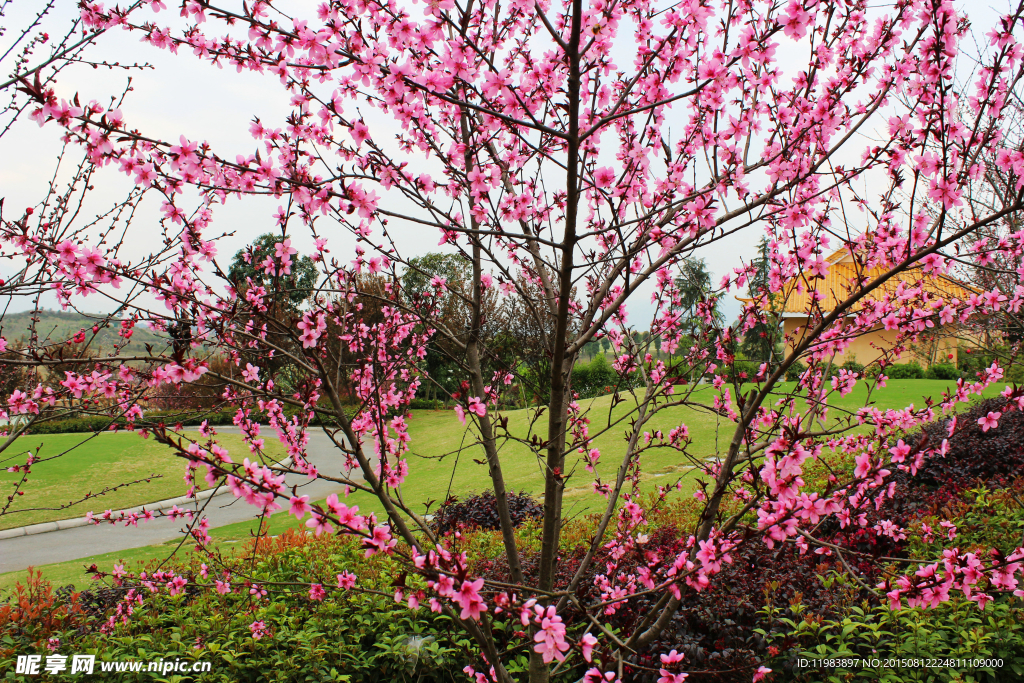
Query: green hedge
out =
(749, 369)
(956, 630)
(943, 371)
(795, 371)
(904, 371)
(595, 378)
(95, 423)
(426, 404)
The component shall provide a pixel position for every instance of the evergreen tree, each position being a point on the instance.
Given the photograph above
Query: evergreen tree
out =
(247, 266)
(761, 341)
(694, 283)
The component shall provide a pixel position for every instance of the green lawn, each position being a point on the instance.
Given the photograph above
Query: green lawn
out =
(437, 433)
(437, 465)
(88, 463)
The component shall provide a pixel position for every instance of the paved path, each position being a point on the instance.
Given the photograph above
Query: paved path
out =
(71, 544)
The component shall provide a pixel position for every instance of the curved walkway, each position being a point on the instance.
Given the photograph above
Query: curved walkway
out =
(71, 544)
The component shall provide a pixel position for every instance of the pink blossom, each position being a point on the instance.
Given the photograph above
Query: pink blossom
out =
(258, 629)
(380, 541)
(667, 676)
(319, 524)
(360, 132)
(587, 644)
(604, 177)
(468, 597)
(251, 373)
(477, 407)
(550, 638)
(989, 421)
(899, 451)
(299, 506)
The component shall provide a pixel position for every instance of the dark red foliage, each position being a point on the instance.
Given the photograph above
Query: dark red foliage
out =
(481, 512)
(868, 545)
(974, 457)
(991, 456)
(714, 627)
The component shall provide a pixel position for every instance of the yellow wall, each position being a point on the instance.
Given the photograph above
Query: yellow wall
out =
(865, 348)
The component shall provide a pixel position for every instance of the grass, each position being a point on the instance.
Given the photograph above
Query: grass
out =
(438, 465)
(71, 466)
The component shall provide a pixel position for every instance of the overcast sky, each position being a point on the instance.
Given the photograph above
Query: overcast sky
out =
(182, 96)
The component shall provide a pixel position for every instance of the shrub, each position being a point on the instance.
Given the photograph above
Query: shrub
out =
(943, 484)
(794, 371)
(973, 360)
(904, 371)
(852, 365)
(741, 371)
(942, 371)
(349, 636)
(426, 404)
(95, 423)
(715, 628)
(481, 512)
(33, 614)
(956, 630)
(592, 379)
(580, 379)
(75, 425)
(974, 454)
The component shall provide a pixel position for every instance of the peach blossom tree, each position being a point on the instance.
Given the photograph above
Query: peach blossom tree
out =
(572, 155)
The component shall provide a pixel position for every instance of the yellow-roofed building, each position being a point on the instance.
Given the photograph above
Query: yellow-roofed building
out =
(937, 345)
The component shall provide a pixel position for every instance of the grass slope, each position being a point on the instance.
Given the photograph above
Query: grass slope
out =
(437, 466)
(88, 463)
(445, 459)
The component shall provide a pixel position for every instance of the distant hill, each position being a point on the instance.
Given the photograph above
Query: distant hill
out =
(58, 326)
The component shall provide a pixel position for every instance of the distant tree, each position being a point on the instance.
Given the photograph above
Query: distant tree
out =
(365, 308)
(695, 288)
(421, 270)
(530, 328)
(761, 341)
(697, 303)
(442, 362)
(271, 263)
(292, 280)
(439, 287)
